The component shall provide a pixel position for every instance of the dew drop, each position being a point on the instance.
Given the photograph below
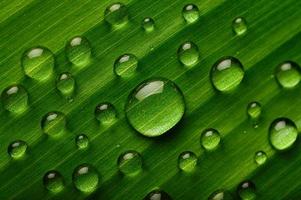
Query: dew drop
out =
(239, 26)
(148, 24)
(246, 190)
(288, 74)
(82, 141)
(220, 195)
(105, 113)
(187, 161)
(191, 13)
(254, 110)
(66, 84)
(54, 123)
(155, 106)
(53, 181)
(85, 178)
(130, 163)
(227, 73)
(210, 139)
(38, 63)
(78, 51)
(126, 65)
(157, 195)
(116, 14)
(283, 133)
(188, 54)
(17, 149)
(15, 99)
(260, 157)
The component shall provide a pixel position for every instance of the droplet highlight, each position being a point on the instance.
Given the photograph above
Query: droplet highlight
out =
(15, 99)
(116, 14)
(130, 163)
(157, 195)
(288, 74)
(187, 161)
(53, 181)
(188, 54)
(220, 195)
(210, 139)
(191, 13)
(246, 190)
(239, 26)
(53, 123)
(17, 149)
(85, 178)
(105, 113)
(126, 65)
(78, 51)
(66, 85)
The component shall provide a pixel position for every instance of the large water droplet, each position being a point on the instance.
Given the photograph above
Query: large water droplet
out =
(15, 99)
(260, 157)
(85, 178)
(227, 73)
(66, 84)
(283, 133)
(155, 106)
(38, 63)
(116, 14)
(105, 113)
(82, 141)
(187, 161)
(188, 54)
(130, 163)
(239, 26)
(148, 24)
(254, 110)
(288, 74)
(157, 195)
(191, 13)
(53, 181)
(246, 190)
(53, 123)
(210, 139)
(126, 65)
(78, 51)
(17, 149)
(220, 195)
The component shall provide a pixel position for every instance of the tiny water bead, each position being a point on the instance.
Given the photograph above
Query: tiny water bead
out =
(53, 181)
(66, 84)
(246, 190)
(283, 133)
(15, 99)
(239, 26)
(254, 110)
(38, 63)
(220, 195)
(187, 161)
(148, 24)
(157, 195)
(210, 139)
(54, 123)
(126, 65)
(288, 74)
(260, 157)
(78, 51)
(188, 54)
(227, 73)
(17, 149)
(116, 14)
(191, 13)
(105, 113)
(85, 178)
(130, 162)
(82, 141)
(155, 106)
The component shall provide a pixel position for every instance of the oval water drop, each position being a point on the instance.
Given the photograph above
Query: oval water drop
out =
(254, 110)
(15, 99)
(191, 13)
(148, 24)
(105, 113)
(157, 195)
(54, 123)
(126, 65)
(188, 54)
(130, 163)
(288, 74)
(53, 181)
(116, 14)
(17, 149)
(239, 26)
(82, 141)
(220, 195)
(260, 157)
(246, 190)
(210, 139)
(66, 84)
(78, 51)
(85, 178)
(187, 161)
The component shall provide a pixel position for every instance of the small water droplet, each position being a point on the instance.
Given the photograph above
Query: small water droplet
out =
(105, 113)
(85, 178)
(126, 65)
(78, 51)
(288, 74)
(148, 24)
(227, 73)
(157, 195)
(191, 13)
(66, 84)
(15, 99)
(17, 149)
(188, 54)
(82, 141)
(54, 123)
(254, 110)
(53, 181)
(116, 14)
(187, 161)
(239, 26)
(38, 63)
(283, 133)
(130, 162)
(246, 190)
(210, 139)
(220, 195)
(260, 157)
(155, 106)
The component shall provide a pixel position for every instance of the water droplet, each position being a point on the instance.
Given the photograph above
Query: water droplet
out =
(188, 54)
(85, 178)
(246, 190)
(157, 195)
(191, 13)
(283, 133)
(260, 157)
(227, 73)
(82, 141)
(15, 99)
(53, 181)
(105, 113)
(155, 106)
(130, 163)
(288, 74)
(220, 195)
(148, 24)
(38, 63)
(116, 14)
(210, 139)
(66, 84)
(126, 65)
(239, 26)
(78, 51)
(53, 123)
(17, 149)
(254, 110)
(187, 161)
